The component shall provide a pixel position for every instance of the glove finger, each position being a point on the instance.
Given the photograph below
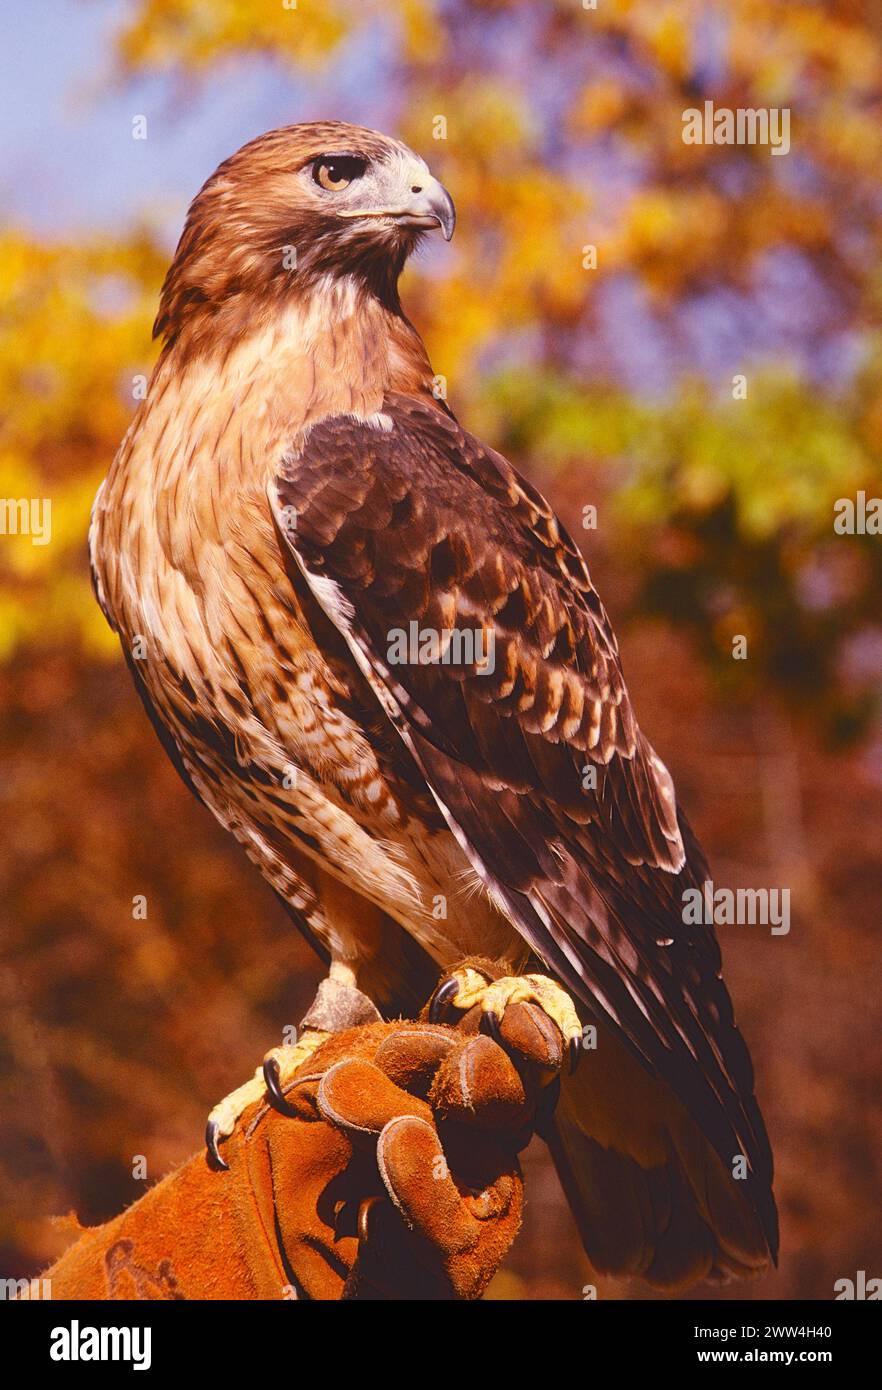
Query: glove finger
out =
(357, 1097)
(412, 1055)
(416, 1176)
(478, 1085)
(533, 1038)
(468, 1233)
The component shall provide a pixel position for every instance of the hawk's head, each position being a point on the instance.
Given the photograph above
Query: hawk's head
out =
(296, 206)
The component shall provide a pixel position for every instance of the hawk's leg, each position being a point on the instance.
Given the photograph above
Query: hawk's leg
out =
(337, 1005)
(477, 985)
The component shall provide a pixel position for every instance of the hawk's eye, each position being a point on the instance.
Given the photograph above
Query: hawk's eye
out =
(337, 171)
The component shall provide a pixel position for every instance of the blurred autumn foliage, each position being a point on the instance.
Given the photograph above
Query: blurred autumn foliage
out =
(607, 289)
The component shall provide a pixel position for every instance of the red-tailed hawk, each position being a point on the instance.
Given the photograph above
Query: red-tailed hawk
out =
(294, 543)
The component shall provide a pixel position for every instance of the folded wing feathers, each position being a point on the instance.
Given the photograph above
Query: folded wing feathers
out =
(423, 523)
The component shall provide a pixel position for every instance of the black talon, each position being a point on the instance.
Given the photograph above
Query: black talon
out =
(364, 1216)
(212, 1133)
(274, 1090)
(545, 1107)
(490, 1023)
(441, 998)
(575, 1053)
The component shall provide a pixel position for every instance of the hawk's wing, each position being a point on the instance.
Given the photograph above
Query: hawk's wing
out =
(407, 525)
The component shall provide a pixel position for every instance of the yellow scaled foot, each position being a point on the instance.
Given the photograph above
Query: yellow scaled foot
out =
(467, 987)
(278, 1066)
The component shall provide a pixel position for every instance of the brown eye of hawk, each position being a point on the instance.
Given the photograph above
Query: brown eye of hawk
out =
(337, 171)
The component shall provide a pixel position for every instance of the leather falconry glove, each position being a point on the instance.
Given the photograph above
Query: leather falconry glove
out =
(393, 1174)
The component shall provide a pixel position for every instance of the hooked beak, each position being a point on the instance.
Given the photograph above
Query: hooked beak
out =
(429, 206)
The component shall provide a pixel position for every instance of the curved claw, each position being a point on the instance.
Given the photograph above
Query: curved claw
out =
(441, 998)
(545, 1108)
(364, 1213)
(274, 1090)
(490, 1023)
(212, 1141)
(575, 1053)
